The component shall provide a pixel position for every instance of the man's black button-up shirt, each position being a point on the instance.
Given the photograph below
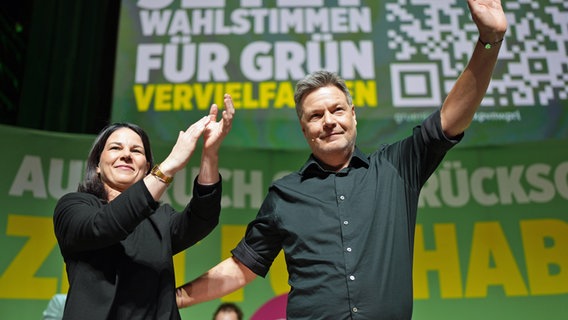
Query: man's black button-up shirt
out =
(348, 236)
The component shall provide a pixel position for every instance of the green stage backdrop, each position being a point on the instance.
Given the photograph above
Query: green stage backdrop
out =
(491, 242)
(492, 236)
(400, 59)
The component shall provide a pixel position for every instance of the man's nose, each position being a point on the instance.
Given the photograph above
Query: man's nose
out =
(328, 118)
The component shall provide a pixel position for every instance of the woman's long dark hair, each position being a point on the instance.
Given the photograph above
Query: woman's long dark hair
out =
(92, 182)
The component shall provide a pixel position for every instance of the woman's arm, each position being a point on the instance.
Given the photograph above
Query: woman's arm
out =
(226, 277)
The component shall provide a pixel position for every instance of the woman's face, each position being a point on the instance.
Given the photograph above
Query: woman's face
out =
(123, 161)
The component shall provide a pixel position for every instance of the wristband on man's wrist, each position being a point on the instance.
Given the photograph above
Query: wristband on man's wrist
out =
(489, 45)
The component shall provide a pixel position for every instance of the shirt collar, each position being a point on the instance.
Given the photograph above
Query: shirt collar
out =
(313, 166)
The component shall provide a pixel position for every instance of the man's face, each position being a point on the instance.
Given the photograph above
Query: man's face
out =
(329, 126)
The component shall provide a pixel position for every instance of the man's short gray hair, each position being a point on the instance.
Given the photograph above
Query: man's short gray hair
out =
(316, 80)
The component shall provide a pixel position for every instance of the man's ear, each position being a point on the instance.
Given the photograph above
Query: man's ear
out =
(354, 113)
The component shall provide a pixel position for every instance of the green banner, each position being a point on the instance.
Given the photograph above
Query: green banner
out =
(491, 240)
(400, 59)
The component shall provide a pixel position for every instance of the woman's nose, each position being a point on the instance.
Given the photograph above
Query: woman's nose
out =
(126, 154)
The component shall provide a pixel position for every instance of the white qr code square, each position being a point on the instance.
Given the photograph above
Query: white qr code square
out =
(415, 85)
(439, 35)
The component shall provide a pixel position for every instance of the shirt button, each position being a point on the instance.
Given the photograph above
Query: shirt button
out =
(348, 249)
(342, 197)
(345, 222)
(355, 309)
(352, 277)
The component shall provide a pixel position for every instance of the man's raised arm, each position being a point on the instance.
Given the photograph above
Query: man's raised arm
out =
(470, 88)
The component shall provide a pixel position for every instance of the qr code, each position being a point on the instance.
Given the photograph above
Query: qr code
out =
(433, 40)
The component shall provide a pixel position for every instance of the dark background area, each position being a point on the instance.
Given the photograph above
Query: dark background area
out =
(57, 62)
